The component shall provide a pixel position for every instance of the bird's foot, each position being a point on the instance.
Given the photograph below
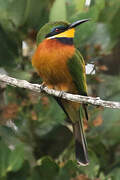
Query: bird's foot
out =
(43, 85)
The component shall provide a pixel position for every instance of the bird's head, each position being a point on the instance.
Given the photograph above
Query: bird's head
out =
(53, 30)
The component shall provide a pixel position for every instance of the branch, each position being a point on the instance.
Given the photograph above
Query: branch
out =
(72, 97)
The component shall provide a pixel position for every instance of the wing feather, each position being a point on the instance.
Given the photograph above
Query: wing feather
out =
(76, 67)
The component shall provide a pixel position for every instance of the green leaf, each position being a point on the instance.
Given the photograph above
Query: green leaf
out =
(8, 135)
(21, 174)
(114, 174)
(4, 156)
(58, 11)
(23, 14)
(9, 50)
(37, 13)
(13, 11)
(16, 158)
(68, 171)
(47, 169)
(10, 160)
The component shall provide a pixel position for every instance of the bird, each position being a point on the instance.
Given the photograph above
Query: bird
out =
(61, 67)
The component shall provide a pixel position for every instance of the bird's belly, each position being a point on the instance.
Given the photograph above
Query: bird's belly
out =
(55, 74)
(51, 64)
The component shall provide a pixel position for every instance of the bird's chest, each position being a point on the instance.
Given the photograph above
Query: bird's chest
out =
(50, 60)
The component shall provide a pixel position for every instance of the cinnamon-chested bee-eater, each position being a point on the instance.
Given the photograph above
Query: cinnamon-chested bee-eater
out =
(61, 67)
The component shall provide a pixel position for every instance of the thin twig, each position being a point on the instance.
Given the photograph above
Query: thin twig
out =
(72, 97)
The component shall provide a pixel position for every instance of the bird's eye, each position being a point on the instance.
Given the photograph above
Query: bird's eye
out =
(57, 30)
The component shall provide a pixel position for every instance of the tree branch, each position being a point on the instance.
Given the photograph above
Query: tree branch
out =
(72, 97)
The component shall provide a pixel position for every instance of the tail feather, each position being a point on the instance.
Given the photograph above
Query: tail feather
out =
(80, 144)
(85, 110)
(74, 116)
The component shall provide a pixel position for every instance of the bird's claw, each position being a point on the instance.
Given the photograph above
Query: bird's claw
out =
(61, 93)
(42, 86)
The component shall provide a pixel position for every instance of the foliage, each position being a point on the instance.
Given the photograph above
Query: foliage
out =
(35, 141)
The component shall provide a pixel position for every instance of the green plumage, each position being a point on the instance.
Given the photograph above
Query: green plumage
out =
(76, 66)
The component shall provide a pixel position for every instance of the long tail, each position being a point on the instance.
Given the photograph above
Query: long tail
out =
(75, 117)
(80, 144)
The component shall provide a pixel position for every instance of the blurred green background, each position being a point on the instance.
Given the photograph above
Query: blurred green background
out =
(35, 141)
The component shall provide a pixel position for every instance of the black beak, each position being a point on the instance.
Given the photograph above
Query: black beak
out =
(73, 25)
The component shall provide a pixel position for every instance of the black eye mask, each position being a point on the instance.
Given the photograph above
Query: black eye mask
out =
(56, 30)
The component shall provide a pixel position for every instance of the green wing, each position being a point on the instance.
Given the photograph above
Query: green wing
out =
(76, 67)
